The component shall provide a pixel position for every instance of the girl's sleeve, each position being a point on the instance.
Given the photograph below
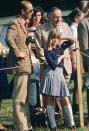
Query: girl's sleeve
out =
(51, 62)
(66, 44)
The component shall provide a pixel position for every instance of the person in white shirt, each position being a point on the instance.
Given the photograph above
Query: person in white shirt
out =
(75, 16)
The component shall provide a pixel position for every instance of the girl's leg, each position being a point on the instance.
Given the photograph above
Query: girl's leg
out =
(50, 111)
(67, 111)
(59, 106)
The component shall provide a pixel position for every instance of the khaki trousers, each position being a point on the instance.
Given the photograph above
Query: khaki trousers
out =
(21, 102)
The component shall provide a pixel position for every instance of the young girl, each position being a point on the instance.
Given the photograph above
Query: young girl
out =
(53, 84)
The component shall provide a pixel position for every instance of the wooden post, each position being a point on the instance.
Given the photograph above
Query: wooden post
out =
(79, 81)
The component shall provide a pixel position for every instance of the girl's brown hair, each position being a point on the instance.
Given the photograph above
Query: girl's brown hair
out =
(54, 33)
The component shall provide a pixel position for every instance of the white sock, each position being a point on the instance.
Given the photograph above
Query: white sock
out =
(68, 114)
(51, 116)
(65, 116)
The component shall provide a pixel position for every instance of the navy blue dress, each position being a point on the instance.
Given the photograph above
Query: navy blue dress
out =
(53, 83)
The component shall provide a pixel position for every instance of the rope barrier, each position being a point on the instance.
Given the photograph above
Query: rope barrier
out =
(11, 68)
(84, 54)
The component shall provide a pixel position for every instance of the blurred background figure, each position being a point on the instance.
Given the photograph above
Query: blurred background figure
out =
(75, 16)
(37, 17)
(3, 75)
(35, 100)
(83, 6)
(34, 23)
(3, 50)
(83, 37)
(3, 79)
(2, 128)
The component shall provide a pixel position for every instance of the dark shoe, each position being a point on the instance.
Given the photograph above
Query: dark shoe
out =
(74, 127)
(53, 129)
(2, 128)
(31, 129)
(71, 127)
(5, 129)
(75, 108)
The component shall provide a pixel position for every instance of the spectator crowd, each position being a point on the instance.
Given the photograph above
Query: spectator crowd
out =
(42, 60)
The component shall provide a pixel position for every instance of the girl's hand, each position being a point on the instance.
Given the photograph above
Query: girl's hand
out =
(68, 38)
(61, 57)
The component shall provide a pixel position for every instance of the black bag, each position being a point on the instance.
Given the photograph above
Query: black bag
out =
(38, 117)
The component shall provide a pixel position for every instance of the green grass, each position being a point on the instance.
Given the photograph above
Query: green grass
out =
(6, 113)
(6, 116)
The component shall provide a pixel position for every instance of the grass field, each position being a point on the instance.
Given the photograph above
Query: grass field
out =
(6, 117)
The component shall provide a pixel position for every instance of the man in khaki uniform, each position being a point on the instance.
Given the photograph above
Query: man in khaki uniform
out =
(19, 56)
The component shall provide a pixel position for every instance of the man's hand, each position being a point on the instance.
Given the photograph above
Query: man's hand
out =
(74, 67)
(22, 54)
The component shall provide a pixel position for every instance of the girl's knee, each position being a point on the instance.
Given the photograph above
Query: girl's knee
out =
(65, 101)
